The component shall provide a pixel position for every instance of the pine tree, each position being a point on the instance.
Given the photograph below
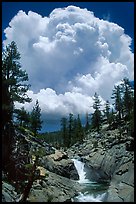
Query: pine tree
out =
(111, 118)
(14, 89)
(13, 78)
(87, 123)
(128, 106)
(23, 117)
(107, 111)
(80, 133)
(70, 129)
(128, 98)
(64, 130)
(117, 96)
(96, 116)
(75, 132)
(36, 118)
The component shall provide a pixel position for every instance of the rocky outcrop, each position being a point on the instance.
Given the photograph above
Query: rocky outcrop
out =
(117, 165)
(107, 159)
(122, 183)
(53, 188)
(60, 164)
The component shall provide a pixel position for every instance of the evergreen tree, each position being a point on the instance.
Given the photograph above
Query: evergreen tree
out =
(64, 130)
(112, 119)
(23, 117)
(36, 118)
(70, 129)
(131, 123)
(14, 89)
(13, 78)
(128, 98)
(96, 116)
(116, 95)
(75, 132)
(80, 133)
(87, 123)
(107, 111)
(128, 106)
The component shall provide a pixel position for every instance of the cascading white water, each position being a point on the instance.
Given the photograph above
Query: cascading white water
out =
(85, 197)
(80, 169)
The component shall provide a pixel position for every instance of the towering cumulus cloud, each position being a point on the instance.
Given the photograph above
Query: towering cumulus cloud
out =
(69, 55)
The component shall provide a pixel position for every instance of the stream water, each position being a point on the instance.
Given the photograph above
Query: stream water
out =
(91, 191)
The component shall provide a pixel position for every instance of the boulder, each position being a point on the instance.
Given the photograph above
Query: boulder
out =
(60, 164)
(59, 155)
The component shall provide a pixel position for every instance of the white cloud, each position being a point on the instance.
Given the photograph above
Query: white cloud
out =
(70, 55)
(62, 104)
(54, 106)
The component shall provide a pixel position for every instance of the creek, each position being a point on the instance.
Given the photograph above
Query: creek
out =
(91, 191)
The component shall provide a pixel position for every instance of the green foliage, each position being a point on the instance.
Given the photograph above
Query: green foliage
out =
(53, 138)
(40, 152)
(13, 76)
(96, 116)
(87, 126)
(112, 118)
(131, 123)
(107, 112)
(118, 103)
(128, 98)
(23, 117)
(70, 129)
(35, 118)
(79, 130)
(29, 166)
(25, 130)
(64, 130)
(123, 96)
(14, 89)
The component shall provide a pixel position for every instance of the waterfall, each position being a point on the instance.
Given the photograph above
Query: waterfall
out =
(80, 169)
(86, 196)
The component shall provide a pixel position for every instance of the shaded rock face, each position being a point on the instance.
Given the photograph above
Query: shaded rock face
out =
(53, 188)
(60, 164)
(96, 174)
(122, 183)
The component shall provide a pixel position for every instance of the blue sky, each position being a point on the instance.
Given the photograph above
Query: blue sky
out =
(71, 50)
